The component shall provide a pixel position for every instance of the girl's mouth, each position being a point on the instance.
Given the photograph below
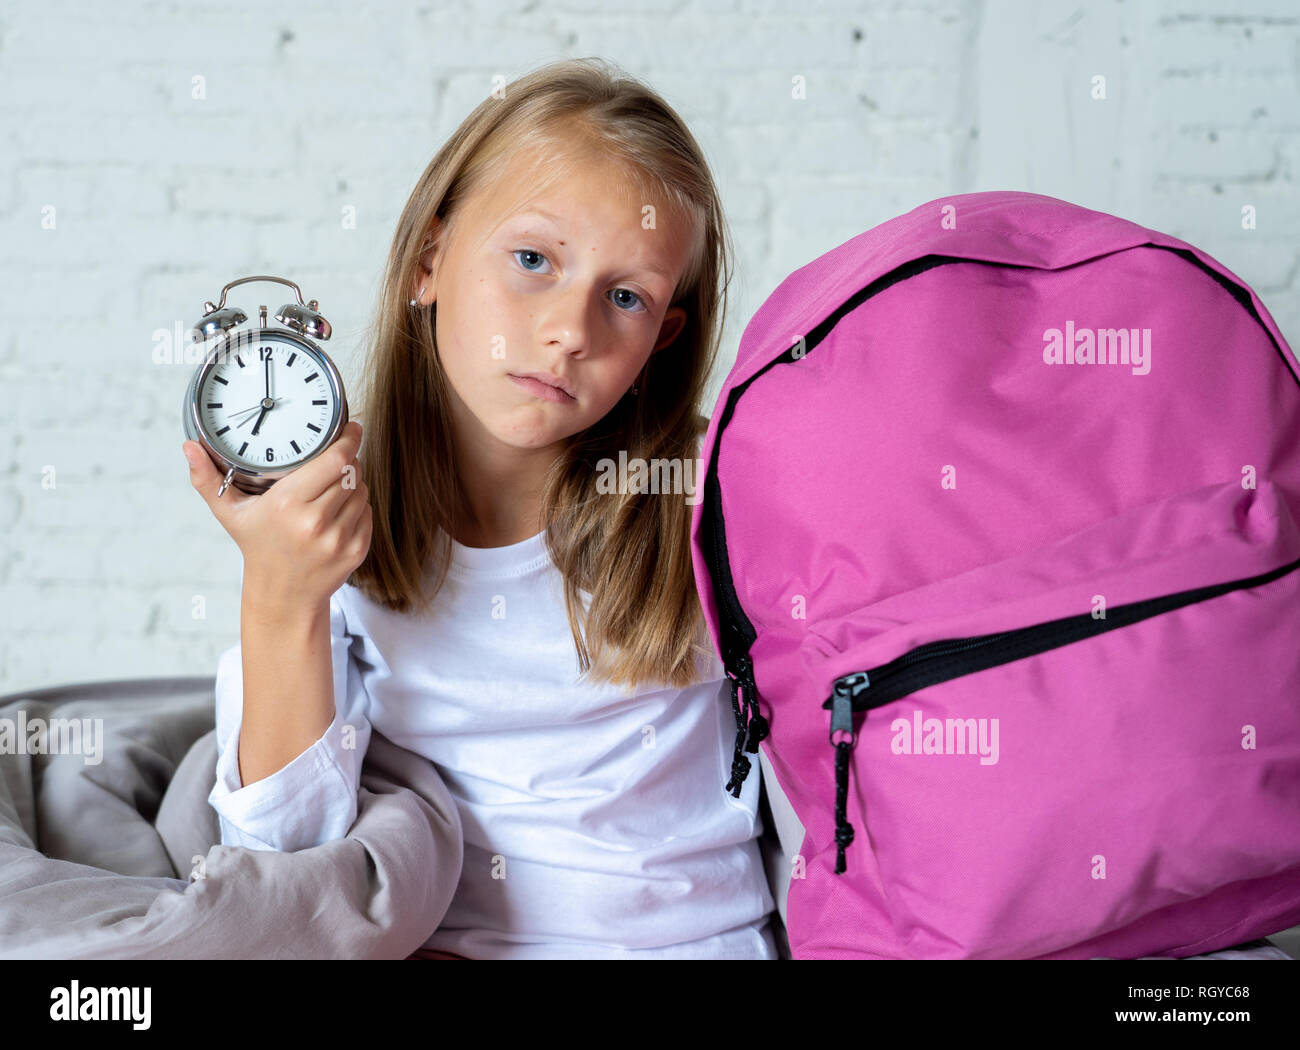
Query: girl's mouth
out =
(542, 390)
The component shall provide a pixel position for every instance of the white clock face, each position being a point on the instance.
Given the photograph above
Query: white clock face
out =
(268, 403)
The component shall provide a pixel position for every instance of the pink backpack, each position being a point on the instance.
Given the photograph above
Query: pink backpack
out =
(998, 544)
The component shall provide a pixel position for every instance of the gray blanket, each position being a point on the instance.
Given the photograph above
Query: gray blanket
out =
(113, 852)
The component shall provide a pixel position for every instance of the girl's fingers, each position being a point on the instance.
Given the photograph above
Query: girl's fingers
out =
(316, 478)
(353, 511)
(350, 519)
(206, 479)
(333, 498)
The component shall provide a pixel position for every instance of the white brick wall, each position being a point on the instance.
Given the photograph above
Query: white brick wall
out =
(161, 199)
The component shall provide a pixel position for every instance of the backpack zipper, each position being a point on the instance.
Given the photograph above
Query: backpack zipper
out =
(751, 727)
(950, 658)
(736, 631)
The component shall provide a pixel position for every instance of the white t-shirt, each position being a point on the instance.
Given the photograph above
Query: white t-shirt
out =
(616, 840)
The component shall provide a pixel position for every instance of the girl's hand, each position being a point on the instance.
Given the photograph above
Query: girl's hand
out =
(302, 538)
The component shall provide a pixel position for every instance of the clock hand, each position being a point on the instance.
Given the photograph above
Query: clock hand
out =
(247, 412)
(268, 402)
(250, 408)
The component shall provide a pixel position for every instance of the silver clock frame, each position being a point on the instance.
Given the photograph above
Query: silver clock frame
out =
(298, 320)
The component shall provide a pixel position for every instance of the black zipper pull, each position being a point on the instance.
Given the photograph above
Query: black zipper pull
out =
(756, 729)
(842, 722)
(751, 727)
(739, 763)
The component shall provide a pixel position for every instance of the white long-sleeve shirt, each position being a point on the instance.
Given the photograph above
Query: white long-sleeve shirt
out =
(595, 822)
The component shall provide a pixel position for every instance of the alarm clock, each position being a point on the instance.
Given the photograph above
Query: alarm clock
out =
(265, 399)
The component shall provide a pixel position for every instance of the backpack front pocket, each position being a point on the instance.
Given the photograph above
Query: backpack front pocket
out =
(1048, 748)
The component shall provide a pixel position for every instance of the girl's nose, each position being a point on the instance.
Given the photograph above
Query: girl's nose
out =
(566, 321)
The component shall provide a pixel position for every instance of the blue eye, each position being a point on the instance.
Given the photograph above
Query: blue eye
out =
(634, 296)
(527, 251)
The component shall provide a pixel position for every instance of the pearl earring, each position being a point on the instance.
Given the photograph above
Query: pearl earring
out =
(416, 300)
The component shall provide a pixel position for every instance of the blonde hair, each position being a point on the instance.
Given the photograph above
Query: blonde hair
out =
(629, 551)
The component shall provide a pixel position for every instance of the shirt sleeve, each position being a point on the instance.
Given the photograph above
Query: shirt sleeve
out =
(313, 799)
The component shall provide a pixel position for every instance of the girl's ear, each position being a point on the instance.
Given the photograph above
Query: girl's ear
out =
(673, 323)
(426, 273)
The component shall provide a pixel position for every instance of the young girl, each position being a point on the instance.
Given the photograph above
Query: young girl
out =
(552, 300)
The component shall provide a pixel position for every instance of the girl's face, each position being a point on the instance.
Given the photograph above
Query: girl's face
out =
(565, 283)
